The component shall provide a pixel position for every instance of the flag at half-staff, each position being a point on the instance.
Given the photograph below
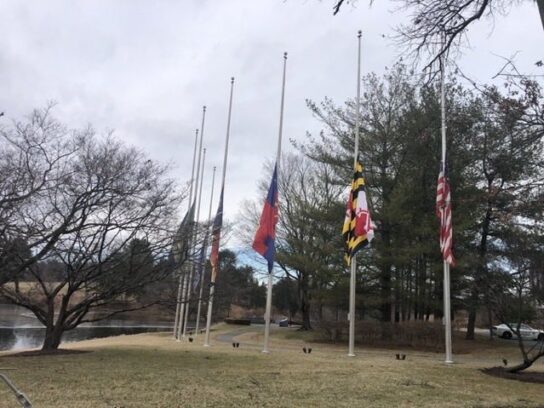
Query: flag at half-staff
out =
(217, 225)
(180, 251)
(443, 212)
(357, 231)
(183, 237)
(216, 237)
(264, 242)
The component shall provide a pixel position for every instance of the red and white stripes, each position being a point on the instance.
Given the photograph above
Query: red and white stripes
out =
(443, 212)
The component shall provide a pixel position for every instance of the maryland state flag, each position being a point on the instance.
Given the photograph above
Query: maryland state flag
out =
(357, 230)
(216, 237)
(264, 242)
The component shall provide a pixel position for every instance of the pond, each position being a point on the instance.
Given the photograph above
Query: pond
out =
(19, 329)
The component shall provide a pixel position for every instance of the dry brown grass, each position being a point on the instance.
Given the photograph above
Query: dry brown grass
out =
(152, 370)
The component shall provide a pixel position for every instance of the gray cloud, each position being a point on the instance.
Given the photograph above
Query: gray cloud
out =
(146, 68)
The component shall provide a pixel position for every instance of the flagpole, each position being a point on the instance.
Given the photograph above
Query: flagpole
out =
(197, 262)
(447, 298)
(268, 312)
(353, 270)
(203, 260)
(198, 190)
(212, 282)
(180, 301)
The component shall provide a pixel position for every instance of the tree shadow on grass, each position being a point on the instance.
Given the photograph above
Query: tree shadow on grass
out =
(501, 372)
(35, 353)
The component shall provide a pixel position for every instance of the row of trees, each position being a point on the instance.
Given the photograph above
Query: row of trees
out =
(496, 168)
(236, 285)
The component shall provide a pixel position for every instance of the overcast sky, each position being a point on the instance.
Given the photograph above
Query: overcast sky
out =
(146, 68)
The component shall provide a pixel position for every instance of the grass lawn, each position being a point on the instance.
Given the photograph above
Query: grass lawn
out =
(152, 370)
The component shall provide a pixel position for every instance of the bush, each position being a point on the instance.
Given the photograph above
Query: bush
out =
(415, 334)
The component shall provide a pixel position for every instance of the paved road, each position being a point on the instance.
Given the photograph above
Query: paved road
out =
(485, 332)
(230, 336)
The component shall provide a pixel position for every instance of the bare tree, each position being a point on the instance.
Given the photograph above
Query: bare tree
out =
(308, 244)
(436, 26)
(31, 154)
(100, 207)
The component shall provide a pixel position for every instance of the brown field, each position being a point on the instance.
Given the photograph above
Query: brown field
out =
(153, 370)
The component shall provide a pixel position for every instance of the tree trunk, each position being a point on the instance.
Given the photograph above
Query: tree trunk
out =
(385, 276)
(397, 296)
(480, 270)
(490, 320)
(55, 328)
(305, 302)
(306, 324)
(540, 4)
(471, 321)
(320, 310)
(53, 337)
(520, 367)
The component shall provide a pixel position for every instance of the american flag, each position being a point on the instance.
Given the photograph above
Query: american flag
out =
(443, 212)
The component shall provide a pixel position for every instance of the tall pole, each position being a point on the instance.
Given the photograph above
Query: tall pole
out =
(212, 282)
(197, 263)
(198, 191)
(180, 303)
(353, 271)
(447, 299)
(203, 260)
(268, 312)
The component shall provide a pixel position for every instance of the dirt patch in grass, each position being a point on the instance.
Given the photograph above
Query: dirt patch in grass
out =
(528, 376)
(59, 352)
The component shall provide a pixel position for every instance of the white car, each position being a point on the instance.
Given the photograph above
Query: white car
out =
(526, 332)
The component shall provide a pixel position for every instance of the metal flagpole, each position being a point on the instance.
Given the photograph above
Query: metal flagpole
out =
(353, 281)
(267, 314)
(181, 302)
(447, 299)
(212, 284)
(21, 398)
(197, 253)
(198, 191)
(203, 260)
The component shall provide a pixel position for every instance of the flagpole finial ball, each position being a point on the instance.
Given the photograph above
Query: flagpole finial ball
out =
(204, 108)
(196, 131)
(232, 80)
(285, 55)
(359, 33)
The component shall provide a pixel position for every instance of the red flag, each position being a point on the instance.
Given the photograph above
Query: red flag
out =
(443, 212)
(216, 237)
(265, 236)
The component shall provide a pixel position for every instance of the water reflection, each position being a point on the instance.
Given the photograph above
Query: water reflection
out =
(20, 330)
